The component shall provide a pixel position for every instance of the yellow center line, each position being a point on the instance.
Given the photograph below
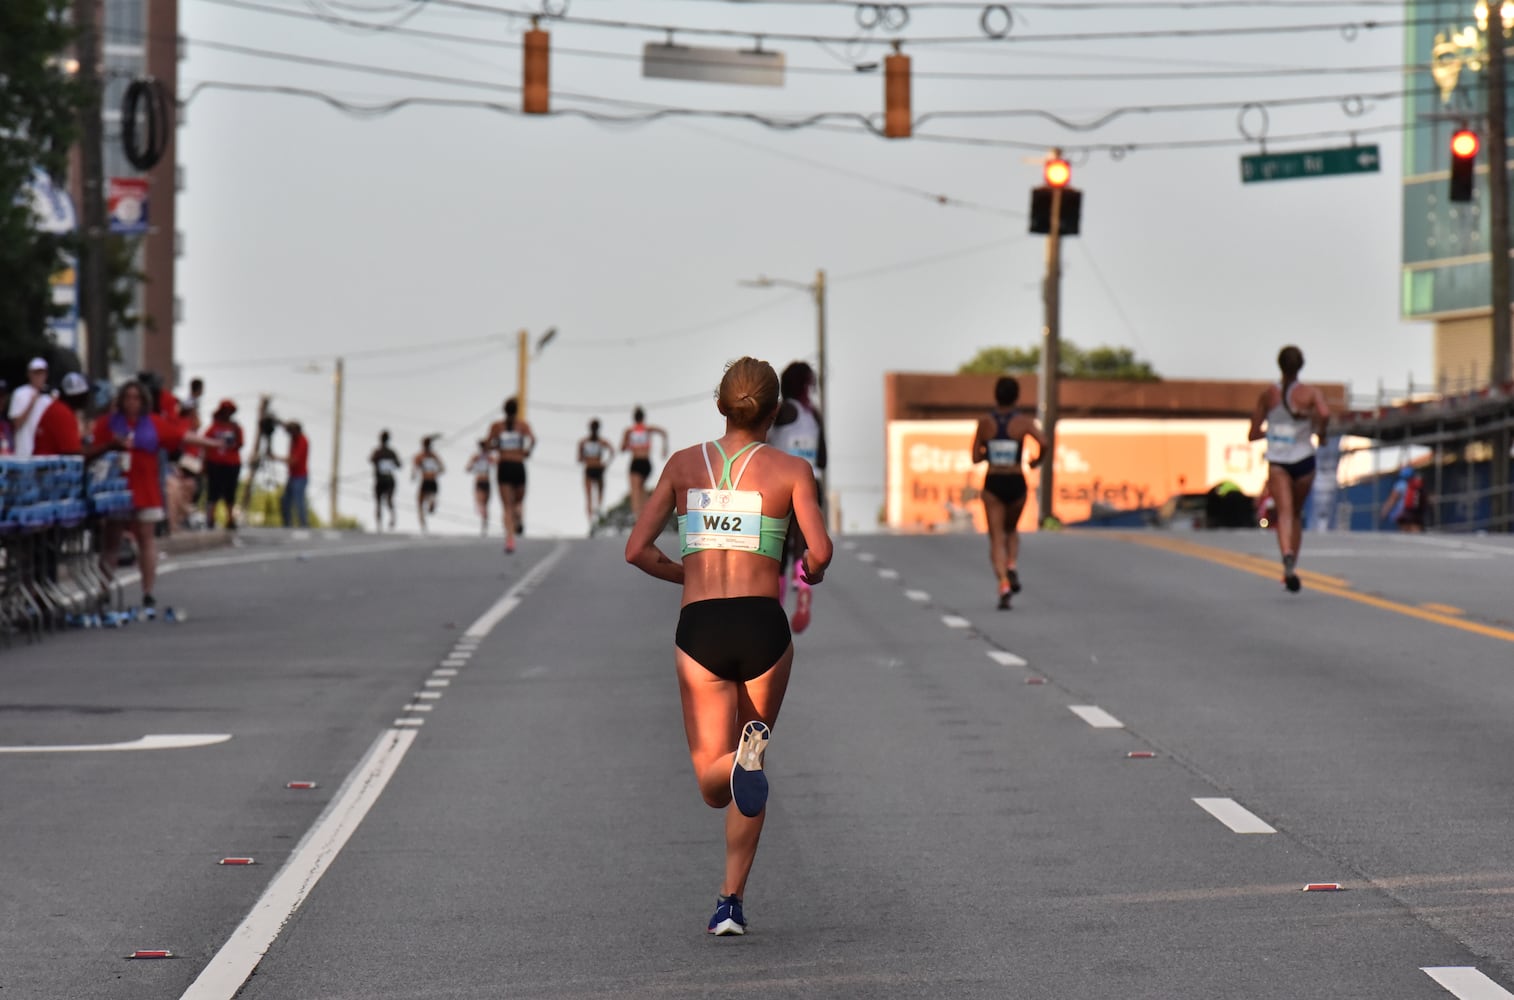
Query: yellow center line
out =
(1439, 614)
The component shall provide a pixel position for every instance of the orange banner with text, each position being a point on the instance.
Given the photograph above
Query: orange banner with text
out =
(1108, 465)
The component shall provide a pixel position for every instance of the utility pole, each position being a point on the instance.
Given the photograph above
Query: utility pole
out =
(336, 439)
(1498, 191)
(1498, 242)
(522, 357)
(825, 401)
(93, 280)
(1051, 347)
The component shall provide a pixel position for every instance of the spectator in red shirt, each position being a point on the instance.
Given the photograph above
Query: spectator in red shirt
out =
(223, 464)
(132, 429)
(58, 427)
(292, 504)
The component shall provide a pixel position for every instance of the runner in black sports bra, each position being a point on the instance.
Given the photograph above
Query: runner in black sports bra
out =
(999, 442)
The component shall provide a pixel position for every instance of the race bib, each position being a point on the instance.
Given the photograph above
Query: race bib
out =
(1281, 435)
(388, 466)
(724, 519)
(1003, 452)
(806, 448)
(509, 442)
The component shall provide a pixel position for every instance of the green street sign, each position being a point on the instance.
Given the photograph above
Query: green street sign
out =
(1309, 163)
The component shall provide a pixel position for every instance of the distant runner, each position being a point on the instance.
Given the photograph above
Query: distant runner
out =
(638, 441)
(480, 466)
(594, 453)
(1000, 442)
(1294, 415)
(1406, 504)
(512, 441)
(800, 431)
(733, 649)
(386, 466)
(426, 467)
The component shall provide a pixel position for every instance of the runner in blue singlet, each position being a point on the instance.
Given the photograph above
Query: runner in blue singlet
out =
(734, 498)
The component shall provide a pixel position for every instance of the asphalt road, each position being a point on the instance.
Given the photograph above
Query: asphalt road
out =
(504, 805)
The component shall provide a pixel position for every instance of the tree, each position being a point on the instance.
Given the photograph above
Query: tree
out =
(39, 105)
(1099, 362)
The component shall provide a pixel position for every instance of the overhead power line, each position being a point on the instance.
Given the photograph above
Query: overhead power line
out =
(1346, 28)
(850, 71)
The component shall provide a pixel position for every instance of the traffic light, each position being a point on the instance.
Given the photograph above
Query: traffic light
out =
(1464, 145)
(1058, 174)
(535, 92)
(898, 120)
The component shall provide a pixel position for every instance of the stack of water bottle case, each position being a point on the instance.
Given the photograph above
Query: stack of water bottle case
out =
(58, 492)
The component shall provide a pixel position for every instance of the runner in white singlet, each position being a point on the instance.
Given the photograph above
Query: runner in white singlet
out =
(799, 430)
(1294, 414)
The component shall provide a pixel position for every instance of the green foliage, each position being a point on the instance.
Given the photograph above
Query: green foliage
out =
(39, 103)
(1098, 363)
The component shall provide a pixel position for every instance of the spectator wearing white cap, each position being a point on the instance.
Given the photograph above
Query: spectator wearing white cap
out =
(58, 427)
(27, 404)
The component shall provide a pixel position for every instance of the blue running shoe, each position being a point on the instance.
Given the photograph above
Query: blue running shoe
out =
(749, 785)
(728, 918)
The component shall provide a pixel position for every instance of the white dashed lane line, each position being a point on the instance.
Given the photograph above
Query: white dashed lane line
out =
(867, 557)
(419, 708)
(438, 682)
(918, 596)
(955, 621)
(409, 722)
(428, 694)
(889, 574)
(1467, 983)
(1005, 659)
(1096, 717)
(1234, 815)
(444, 672)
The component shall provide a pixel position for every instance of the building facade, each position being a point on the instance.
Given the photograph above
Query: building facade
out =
(1447, 269)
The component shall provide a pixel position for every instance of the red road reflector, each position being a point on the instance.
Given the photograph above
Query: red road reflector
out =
(1035, 680)
(237, 861)
(1323, 887)
(151, 953)
(1140, 755)
(300, 785)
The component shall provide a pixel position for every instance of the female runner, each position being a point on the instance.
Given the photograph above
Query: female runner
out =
(513, 441)
(1000, 441)
(638, 441)
(594, 453)
(734, 498)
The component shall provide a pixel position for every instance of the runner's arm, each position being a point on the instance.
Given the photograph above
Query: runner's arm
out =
(1321, 414)
(820, 454)
(641, 548)
(1036, 434)
(818, 549)
(1258, 415)
(664, 434)
(980, 443)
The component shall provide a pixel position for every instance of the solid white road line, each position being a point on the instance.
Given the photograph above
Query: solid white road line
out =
(240, 955)
(1096, 717)
(523, 586)
(889, 574)
(157, 742)
(1467, 983)
(1234, 815)
(1004, 659)
(918, 596)
(237, 959)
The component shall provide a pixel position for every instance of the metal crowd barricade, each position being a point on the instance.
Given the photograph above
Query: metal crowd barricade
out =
(50, 512)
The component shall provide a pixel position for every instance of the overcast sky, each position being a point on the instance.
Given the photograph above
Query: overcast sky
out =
(312, 234)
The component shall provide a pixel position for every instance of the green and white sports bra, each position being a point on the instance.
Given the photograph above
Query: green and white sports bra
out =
(723, 517)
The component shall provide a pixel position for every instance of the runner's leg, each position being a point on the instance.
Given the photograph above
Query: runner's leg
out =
(714, 711)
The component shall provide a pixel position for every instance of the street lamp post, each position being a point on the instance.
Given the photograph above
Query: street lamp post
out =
(816, 290)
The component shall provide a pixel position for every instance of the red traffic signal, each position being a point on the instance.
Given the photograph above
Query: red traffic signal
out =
(1058, 173)
(1464, 146)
